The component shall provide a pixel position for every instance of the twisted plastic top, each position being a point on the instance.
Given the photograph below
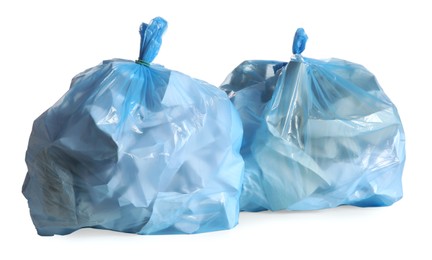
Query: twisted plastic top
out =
(151, 40)
(299, 43)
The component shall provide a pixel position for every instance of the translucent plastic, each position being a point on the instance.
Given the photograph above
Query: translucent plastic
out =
(329, 136)
(250, 86)
(138, 148)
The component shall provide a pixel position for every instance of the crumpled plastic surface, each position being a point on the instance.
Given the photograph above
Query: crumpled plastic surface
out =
(250, 86)
(329, 136)
(138, 148)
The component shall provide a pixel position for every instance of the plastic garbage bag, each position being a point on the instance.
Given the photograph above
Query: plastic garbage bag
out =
(138, 148)
(329, 136)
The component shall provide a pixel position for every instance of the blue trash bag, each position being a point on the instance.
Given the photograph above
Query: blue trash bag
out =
(137, 148)
(250, 86)
(329, 136)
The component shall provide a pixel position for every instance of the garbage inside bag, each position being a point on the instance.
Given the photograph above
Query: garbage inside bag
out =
(138, 148)
(250, 86)
(329, 136)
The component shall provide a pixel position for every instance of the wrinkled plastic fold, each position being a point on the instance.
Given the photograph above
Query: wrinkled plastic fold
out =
(250, 86)
(138, 148)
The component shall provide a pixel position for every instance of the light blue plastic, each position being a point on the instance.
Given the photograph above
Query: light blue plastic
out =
(250, 86)
(328, 137)
(138, 148)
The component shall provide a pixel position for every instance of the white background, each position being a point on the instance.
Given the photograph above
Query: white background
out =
(43, 44)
